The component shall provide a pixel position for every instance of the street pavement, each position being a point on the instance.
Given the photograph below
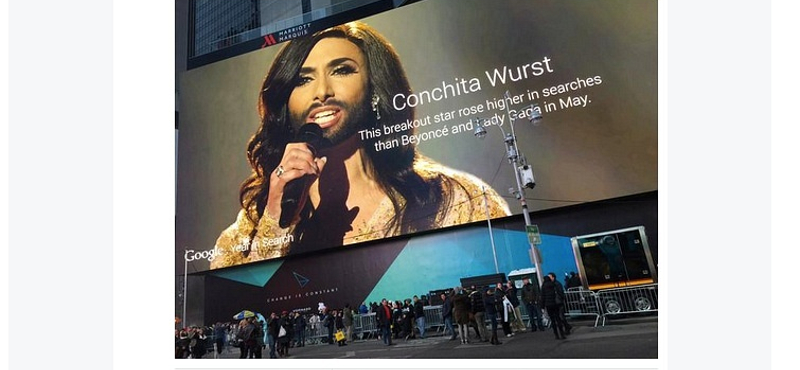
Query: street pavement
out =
(624, 338)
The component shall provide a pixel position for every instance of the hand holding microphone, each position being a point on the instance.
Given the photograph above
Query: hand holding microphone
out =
(299, 168)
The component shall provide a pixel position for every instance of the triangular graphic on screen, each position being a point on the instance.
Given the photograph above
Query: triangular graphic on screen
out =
(302, 280)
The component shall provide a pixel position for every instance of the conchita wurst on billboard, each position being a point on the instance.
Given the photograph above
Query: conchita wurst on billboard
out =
(314, 179)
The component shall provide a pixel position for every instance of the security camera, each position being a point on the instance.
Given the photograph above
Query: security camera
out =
(526, 173)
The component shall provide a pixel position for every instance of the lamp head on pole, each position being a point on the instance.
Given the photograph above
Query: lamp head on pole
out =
(480, 131)
(536, 114)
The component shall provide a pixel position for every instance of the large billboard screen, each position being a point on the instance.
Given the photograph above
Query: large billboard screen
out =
(371, 129)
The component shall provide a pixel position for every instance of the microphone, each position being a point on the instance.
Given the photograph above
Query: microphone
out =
(296, 191)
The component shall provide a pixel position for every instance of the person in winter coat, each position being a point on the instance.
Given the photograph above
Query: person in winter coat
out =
(347, 319)
(283, 340)
(531, 301)
(244, 337)
(328, 321)
(490, 304)
(383, 317)
(197, 342)
(511, 294)
(502, 311)
(419, 316)
(407, 322)
(397, 319)
(479, 313)
(300, 330)
(273, 329)
(219, 337)
(461, 312)
(338, 324)
(552, 299)
(181, 344)
(258, 339)
(447, 315)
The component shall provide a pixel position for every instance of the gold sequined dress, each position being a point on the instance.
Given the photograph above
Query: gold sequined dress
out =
(466, 204)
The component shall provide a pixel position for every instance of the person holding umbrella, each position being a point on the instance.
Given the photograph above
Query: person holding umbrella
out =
(244, 314)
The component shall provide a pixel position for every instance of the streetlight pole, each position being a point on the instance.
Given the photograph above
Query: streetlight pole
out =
(185, 275)
(521, 196)
(512, 153)
(491, 234)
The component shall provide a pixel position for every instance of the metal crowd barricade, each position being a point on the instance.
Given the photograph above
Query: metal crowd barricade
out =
(582, 302)
(628, 300)
(433, 318)
(358, 326)
(316, 334)
(365, 325)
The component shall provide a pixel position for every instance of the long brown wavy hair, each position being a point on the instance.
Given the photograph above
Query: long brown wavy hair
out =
(415, 199)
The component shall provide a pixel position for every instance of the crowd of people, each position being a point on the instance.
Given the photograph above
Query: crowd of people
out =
(462, 309)
(470, 308)
(192, 342)
(252, 336)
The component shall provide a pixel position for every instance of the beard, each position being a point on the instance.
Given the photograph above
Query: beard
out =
(355, 121)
